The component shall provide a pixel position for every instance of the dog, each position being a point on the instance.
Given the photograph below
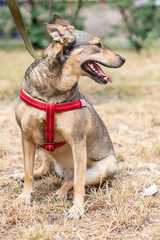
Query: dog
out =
(88, 156)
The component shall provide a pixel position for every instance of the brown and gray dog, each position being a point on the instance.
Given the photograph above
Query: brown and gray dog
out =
(88, 157)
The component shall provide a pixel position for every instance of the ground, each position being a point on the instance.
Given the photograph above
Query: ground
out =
(130, 107)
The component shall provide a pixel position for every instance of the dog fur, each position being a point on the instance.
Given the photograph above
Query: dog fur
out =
(88, 157)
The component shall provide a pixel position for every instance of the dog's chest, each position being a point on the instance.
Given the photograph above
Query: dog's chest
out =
(33, 123)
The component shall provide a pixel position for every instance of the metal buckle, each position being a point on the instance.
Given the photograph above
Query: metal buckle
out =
(83, 102)
(52, 144)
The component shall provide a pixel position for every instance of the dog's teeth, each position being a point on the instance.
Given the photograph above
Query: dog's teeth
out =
(90, 65)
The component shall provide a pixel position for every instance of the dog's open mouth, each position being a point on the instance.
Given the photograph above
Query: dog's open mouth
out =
(94, 70)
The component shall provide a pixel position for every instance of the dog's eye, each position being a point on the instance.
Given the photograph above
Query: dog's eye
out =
(71, 45)
(99, 45)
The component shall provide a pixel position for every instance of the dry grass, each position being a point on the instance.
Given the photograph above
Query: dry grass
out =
(130, 107)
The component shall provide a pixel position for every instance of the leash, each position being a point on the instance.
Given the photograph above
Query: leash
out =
(16, 14)
(50, 109)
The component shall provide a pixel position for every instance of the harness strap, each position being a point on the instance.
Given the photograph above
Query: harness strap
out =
(50, 127)
(50, 145)
(50, 109)
(58, 107)
(56, 145)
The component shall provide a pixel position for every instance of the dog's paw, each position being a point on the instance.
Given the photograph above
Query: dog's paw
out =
(22, 199)
(75, 213)
(60, 195)
(17, 177)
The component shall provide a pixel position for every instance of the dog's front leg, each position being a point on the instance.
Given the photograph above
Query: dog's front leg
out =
(29, 156)
(79, 157)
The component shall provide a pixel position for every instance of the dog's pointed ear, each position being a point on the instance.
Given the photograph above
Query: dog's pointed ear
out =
(55, 31)
(58, 20)
(60, 33)
(62, 21)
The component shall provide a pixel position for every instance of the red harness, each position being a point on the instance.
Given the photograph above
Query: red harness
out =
(50, 109)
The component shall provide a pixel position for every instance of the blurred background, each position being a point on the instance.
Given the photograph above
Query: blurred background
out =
(125, 23)
(130, 107)
(131, 27)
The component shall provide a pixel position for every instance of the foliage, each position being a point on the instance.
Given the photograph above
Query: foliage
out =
(41, 12)
(7, 29)
(37, 14)
(141, 21)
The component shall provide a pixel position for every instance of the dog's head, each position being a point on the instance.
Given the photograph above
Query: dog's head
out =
(82, 51)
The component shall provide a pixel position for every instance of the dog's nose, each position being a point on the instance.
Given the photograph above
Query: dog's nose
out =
(122, 59)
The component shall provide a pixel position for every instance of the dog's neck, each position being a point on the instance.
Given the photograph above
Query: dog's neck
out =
(48, 80)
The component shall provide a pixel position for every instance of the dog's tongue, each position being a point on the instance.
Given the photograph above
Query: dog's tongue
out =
(110, 79)
(101, 72)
